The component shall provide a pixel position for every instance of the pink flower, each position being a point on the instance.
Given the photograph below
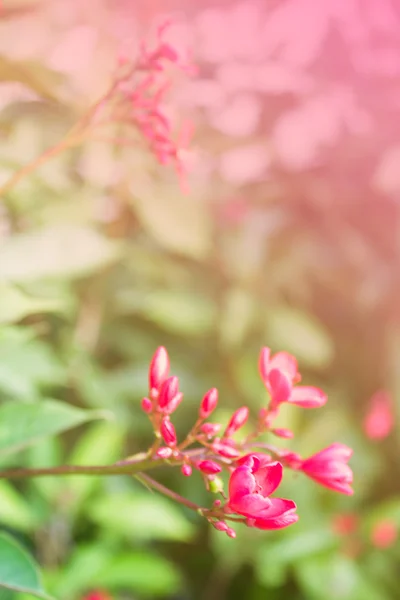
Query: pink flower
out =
(159, 368)
(379, 420)
(279, 374)
(208, 403)
(237, 421)
(224, 449)
(250, 486)
(329, 468)
(384, 534)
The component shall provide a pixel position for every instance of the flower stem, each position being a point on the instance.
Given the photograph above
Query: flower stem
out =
(129, 468)
(167, 492)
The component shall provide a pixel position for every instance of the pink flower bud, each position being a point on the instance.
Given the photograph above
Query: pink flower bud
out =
(263, 363)
(168, 391)
(173, 405)
(283, 433)
(217, 503)
(225, 450)
(159, 368)
(164, 452)
(230, 533)
(209, 467)
(168, 432)
(237, 421)
(186, 470)
(220, 525)
(147, 405)
(209, 403)
(210, 429)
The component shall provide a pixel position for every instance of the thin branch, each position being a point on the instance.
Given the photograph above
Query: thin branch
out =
(129, 468)
(167, 492)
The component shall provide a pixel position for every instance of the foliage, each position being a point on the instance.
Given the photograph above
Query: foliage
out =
(288, 237)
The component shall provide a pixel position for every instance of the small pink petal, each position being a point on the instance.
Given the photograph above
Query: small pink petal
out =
(241, 482)
(308, 396)
(269, 478)
(279, 386)
(278, 523)
(283, 361)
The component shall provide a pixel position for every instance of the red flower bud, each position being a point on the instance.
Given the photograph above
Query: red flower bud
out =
(159, 368)
(283, 433)
(168, 391)
(209, 467)
(186, 470)
(209, 403)
(220, 525)
(210, 429)
(147, 405)
(237, 421)
(168, 432)
(173, 405)
(225, 450)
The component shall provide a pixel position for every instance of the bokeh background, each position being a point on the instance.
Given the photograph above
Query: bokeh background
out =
(288, 237)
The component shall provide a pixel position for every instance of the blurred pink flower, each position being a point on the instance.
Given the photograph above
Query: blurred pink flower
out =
(279, 374)
(329, 468)
(379, 419)
(345, 523)
(384, 534)
(250, 486)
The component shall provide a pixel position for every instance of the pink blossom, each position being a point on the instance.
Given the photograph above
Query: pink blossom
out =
(220, 525)
(250, 486)
(379, 420)
(209, 467)
(384, 534)
(168, 432)
(280, 374)
(329, 468)
(208, 403)
(159, 368)
(237, 421)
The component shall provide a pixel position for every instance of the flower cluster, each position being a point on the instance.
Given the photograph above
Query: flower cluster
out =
(254, 469)
(136, 100)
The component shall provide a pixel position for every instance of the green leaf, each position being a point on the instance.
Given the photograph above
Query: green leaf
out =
(17, 569)
(26, 363)
(60, 251)
(142, 517)
(16, 305)
(175, 221)
(141, 572)
(300, 334)
(36, 76)
(14, 509)
(101, 444)
(23, 424)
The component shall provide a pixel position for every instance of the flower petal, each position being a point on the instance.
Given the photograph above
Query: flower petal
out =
(283, 361)
(250, 505)
(308, 396)
(241, 482)
(278, 523)
(279, 386)
(277, 508)
(269, 477)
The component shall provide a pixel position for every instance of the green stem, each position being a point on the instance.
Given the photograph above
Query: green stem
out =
(167, 492)
(128, 468)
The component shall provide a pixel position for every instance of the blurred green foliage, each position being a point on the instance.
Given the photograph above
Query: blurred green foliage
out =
(102, 259)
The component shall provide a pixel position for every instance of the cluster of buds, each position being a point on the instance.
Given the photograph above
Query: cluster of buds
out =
(136, 100)
(254, 469)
